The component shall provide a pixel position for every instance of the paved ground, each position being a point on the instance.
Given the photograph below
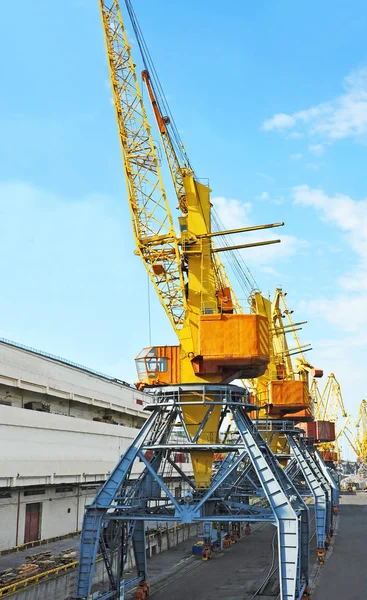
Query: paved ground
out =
(19, 558)
(344, 575)
(234, 574)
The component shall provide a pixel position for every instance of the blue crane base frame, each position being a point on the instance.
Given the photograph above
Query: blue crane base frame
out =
(131, 497)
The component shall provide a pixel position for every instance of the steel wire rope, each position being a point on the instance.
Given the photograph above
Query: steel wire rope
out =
(239, 267)
(161, 98)
(159, 92)
(243, 274)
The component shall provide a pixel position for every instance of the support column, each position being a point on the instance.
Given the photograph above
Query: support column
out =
(334, 486)
(279, 490)
(318, 493)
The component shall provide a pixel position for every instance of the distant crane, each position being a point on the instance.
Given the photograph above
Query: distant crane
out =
(356, 433)
(283, 390)
(329, 406)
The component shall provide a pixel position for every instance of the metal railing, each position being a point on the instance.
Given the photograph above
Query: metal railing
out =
(12, 588)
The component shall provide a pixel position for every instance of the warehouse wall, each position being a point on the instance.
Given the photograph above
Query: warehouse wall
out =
(22, 371)
(61, 512)
(43, 448)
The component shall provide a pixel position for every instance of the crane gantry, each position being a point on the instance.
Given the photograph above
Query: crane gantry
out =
(190, 383)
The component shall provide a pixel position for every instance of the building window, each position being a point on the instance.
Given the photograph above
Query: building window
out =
(5, 495)
(38, 492)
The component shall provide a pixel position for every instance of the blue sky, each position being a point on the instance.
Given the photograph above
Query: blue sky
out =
(271, 102)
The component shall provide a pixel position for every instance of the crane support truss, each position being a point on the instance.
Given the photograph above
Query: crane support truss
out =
(328, 476)
(131, 496)
(320, 489)
(152, 222)
(302, 468)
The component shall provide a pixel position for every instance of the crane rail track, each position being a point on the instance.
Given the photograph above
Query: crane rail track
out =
(273, 569)
(184, 572)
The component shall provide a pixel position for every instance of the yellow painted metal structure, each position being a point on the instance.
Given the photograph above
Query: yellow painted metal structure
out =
(329, 406)
(185, 270)
(282, 392)
(356, 433)
(362, 431)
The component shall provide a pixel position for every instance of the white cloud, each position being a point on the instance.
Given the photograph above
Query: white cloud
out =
(231, 212)
(280, 121)
(346, 310)
(312, 167)
(296, 156)
(316, 149)
(295, 135)
(234, 214)
(263, 196)
(342, 356)
(347, 214)
(341, 117)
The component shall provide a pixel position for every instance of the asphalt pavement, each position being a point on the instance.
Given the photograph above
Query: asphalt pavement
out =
(233, 574)
(344, 574)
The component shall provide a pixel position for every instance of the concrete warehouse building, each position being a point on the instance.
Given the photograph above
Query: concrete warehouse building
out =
(62, 430)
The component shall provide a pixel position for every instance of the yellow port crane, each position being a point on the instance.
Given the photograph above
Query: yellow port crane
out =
(329, 407)
(357, 434)
(282, 392)
(283, 389)
(361, 426)
(216, 342)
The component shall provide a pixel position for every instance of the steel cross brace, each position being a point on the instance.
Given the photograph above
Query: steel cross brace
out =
(149, 498)
(318, 491)
(334, 486)
(325, 484)
(290, 512)
(95, 512)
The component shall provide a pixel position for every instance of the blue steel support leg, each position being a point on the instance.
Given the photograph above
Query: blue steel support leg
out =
(94, 514)
(334, 486)
(324, 483)
(317, 490)
(139, 547)
(291, 550)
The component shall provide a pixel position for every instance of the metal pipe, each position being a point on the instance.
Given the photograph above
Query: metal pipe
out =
(240, 230)
(240, 246)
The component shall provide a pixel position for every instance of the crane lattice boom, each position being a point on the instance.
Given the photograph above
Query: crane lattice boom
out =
(152, 221)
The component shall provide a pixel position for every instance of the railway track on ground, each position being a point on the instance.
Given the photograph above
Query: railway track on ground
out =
(270, 578)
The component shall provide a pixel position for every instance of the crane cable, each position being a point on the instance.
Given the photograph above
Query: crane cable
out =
(242, 273)
(240, 269)
(161, 100)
